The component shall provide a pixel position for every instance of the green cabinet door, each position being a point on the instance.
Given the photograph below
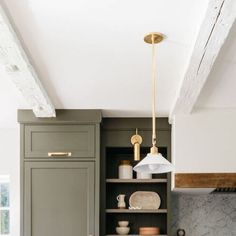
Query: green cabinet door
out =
(78, 140)
(59, 199)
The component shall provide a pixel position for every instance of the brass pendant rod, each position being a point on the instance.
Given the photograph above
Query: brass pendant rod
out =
(154, 38)
(154, 73)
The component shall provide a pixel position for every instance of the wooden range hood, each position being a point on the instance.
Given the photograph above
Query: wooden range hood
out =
(221, 182)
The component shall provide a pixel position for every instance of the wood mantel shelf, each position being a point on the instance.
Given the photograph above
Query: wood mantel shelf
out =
(205, 180)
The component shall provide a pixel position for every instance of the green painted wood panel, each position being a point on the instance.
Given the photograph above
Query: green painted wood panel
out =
(77, 139)
(59, 199)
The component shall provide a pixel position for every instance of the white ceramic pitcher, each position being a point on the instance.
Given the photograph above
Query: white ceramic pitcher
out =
(121, 201)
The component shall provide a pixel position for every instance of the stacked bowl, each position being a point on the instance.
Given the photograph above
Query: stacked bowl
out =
(123, 228)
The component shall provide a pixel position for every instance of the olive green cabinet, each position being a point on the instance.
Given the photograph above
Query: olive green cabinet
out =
(60, 170)
(59, 198)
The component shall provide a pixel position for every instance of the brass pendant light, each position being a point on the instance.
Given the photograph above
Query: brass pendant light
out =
(154, 162)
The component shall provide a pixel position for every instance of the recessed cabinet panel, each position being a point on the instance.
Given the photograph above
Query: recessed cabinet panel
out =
(69, 141)
(59, 199)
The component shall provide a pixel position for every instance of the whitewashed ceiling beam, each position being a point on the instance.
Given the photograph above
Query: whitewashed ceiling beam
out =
(219, 18)
(18, 68)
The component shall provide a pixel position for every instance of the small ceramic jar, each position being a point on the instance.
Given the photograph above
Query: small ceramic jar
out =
(141, 175)
(125, 170)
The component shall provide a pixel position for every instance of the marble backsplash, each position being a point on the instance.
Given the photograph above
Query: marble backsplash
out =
(204, 215)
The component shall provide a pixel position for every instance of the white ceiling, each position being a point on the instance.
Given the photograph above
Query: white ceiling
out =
(220, 88)
(91, 54)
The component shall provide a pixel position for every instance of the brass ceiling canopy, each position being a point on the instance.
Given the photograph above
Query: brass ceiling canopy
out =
(158, 37)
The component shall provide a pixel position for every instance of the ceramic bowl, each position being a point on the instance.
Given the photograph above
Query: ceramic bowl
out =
(122, 230)
(123, 223)
(149, 230)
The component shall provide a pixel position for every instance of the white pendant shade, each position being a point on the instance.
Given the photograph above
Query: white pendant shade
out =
(154, 164)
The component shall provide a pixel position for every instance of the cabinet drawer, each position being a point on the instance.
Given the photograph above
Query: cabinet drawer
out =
(69, 141)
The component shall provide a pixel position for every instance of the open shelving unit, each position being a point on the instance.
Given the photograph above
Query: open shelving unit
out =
(115, 186)
(116, 146)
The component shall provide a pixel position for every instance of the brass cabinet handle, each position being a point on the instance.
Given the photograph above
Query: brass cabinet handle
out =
(59, 154)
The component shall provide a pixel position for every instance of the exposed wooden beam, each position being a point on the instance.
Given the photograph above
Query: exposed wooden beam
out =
(18, 68)
(214, 30)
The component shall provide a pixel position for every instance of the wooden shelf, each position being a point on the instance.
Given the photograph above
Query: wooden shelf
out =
(159, 211)
(136, 235)
(136, 181)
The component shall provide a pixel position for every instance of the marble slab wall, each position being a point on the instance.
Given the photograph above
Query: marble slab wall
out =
(204, 215)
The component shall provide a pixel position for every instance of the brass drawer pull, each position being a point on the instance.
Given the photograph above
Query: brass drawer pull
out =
(59, 154)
